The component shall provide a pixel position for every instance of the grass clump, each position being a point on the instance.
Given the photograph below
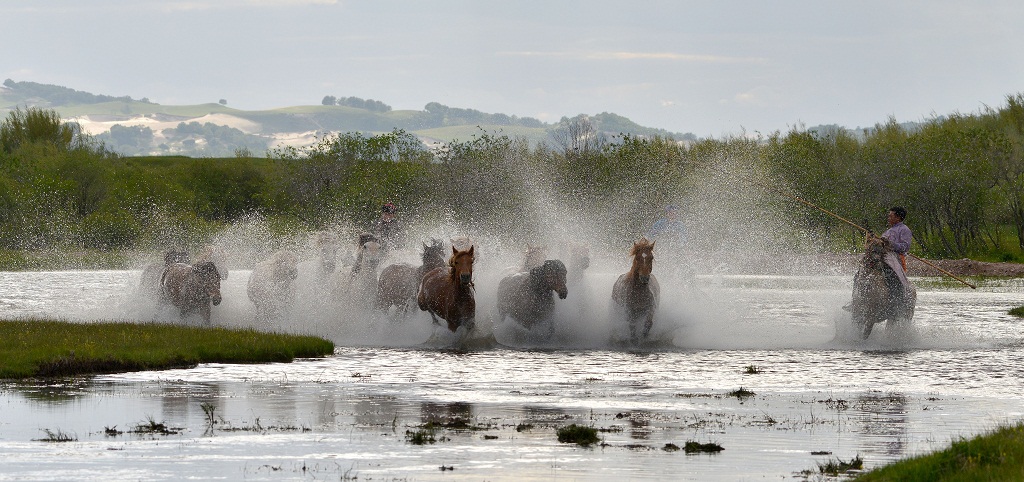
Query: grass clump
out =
(578, 434)
(1018, 312)
(997, 455)
(837, 466)
(741, 393)
(752, 370)
(45, 348)
(420, 437)
(56, 436)
(692, 447)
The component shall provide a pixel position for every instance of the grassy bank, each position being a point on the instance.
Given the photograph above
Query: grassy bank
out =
(39, 348)
(998, 455)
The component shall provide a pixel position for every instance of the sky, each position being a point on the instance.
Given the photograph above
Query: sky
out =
(711, 68)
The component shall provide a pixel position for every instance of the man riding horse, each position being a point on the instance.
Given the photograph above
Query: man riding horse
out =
(881, 290)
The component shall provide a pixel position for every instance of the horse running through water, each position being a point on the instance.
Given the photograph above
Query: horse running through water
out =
(528, 297)
(271, 286)
(447, 292)
(399, 283)
(326, 246)
(191, 287)
(149, 281)
(881, 290)
(637, 293)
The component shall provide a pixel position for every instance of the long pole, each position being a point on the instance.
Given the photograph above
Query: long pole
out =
(864, 230)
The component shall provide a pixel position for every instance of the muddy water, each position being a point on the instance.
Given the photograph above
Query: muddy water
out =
(495, 407)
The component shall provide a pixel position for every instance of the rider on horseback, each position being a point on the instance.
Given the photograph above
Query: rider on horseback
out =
(389, 230)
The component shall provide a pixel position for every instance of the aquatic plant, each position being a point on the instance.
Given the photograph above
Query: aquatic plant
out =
(56, 436)
(420, 437)
(578, 434)
(692, 447)
(1018, 312)
(837, 466)
(741, 393)
(752, 370)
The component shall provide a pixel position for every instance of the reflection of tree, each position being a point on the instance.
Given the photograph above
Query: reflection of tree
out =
(883, 420)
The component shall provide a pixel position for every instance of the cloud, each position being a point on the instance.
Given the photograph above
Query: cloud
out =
(668, 103)
(758, 96)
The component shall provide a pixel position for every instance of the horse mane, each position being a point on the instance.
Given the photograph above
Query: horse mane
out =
(206, 267)
(432, 252)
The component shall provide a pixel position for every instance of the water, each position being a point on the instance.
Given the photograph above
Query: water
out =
(350, 416)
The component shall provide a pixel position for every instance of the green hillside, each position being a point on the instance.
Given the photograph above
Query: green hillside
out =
(141, 127)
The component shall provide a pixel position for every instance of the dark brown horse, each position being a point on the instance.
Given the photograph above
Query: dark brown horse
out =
(191, 288)
(398, 283)
(881, 290)
(637, 291)
(149, 281)
(217, 256)
(447, 292)
(528, 297)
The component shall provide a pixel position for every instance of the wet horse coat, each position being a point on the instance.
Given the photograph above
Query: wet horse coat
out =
(881, 290)
(359, 285)
(448, 293)
(191, 288)
(529, 297)
(637, 292)
(399, 283)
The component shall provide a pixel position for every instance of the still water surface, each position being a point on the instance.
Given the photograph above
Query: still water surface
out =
(496, 408)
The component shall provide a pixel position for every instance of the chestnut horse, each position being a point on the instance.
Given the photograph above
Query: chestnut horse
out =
(881, 290)
(398, 283)
(447, 292)
(191, 287)
(637, 291)
(528, 298)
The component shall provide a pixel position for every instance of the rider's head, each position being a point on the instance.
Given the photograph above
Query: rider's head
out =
(388, 208)
(899, 212)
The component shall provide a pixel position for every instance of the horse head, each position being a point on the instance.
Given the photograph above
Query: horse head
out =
(461, 263)
(215, 255)
(209, 280)
(551, 275)
(875, 249)
(643, 260)
(433, 255)
(369, 257)
(176, 256)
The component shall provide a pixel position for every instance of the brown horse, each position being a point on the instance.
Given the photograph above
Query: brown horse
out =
(637, 291)
(881, 290)
(191, 288)
(399, 283)
(447, 292)
(528, 298)
(149, 281)
(326, 246)
(577, 258)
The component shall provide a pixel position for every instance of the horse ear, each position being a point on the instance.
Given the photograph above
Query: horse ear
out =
(455, 251)
(471, 247)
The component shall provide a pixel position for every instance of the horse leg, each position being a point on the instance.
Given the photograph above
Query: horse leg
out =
(204, 310)
(648, 323)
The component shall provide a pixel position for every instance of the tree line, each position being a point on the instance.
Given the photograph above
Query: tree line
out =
(960, 177)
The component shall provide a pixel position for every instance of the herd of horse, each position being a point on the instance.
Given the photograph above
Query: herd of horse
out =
(442, 284)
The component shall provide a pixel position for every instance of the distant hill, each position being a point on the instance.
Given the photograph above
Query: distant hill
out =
(140, 127)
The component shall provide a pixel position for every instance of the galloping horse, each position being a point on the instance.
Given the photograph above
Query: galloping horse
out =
(447, 292)
(149, 281)
(637, 291)
(191, 287)
(578, 260)
(271, 286)
(881, 290)
(326, 246)
(528, 298)
(399, 283)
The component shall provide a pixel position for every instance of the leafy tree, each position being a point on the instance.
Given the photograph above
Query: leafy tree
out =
(34, 125)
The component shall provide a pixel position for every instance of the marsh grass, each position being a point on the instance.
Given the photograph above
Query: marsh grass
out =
(578, 434)
(837, 466)
(741, 393)
(752, 370)
(56, 436)
(692, 447)
(996, 455)
(1018, 312)
(45, 348)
